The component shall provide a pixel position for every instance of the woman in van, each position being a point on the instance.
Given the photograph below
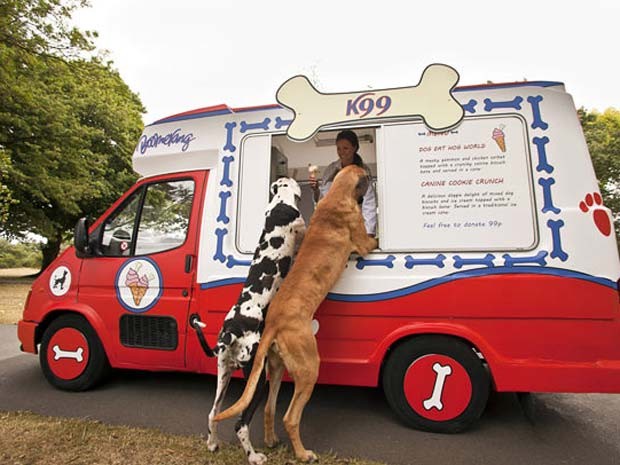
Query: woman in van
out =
(347, 146)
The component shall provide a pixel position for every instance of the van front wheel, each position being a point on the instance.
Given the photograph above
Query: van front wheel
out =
(71, 355)
(436, 383)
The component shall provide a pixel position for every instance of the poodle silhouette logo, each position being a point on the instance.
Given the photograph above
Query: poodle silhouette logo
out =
(60, 281)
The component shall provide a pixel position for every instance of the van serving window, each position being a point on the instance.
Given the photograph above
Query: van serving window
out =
(266, 157)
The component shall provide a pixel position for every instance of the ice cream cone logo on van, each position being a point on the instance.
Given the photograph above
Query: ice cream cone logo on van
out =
(139, 285)
(500, 137)
(136, 283)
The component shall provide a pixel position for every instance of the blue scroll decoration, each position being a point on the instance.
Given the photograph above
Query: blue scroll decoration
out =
(245, 126)
(492, 105)
(537, 122)
(470, 107)
(232, 261)
(557, 252)
(539, 259)
(219, 250)
(548, 206)
(280, 123)
(487, 261)
(543, 164)
(226, 181)
(223, 217)
(229, 147)
(388, 262)
(438, 261)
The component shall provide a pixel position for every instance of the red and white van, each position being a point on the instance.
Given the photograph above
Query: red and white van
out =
(497, 267)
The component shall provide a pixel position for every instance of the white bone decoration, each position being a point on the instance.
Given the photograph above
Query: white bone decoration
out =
(435, 400)
(76, 355)
(431, 99)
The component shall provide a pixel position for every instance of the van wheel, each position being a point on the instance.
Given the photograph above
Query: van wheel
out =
(71, 356)
(436, 383)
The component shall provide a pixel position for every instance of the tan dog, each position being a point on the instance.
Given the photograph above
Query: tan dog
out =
(336, 230)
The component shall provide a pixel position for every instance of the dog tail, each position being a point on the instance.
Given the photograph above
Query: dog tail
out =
(257, 368)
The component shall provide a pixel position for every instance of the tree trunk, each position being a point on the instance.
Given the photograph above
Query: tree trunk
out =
(50, 251)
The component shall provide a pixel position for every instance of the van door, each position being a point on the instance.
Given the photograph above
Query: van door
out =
(140, 279)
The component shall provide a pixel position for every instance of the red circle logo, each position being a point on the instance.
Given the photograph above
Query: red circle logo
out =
(437, 387)
(67, 353)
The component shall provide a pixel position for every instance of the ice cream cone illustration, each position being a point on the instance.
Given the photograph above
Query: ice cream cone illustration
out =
(500, 138)
(138, 285)
(313, 170)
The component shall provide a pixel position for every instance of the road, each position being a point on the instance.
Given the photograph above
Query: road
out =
(567, 429)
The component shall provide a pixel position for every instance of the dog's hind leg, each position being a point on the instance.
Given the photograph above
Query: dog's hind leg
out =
(302, 363)
(275, 370)
(224, 372)
(242, 428)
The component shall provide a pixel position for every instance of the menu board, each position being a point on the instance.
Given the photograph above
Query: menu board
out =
(465, 189)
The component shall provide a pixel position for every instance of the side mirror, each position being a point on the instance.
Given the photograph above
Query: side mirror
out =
(80, 238)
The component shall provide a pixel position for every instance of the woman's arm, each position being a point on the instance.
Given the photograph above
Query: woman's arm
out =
(369, 210)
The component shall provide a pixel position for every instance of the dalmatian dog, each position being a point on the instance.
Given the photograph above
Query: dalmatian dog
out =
(243, 325)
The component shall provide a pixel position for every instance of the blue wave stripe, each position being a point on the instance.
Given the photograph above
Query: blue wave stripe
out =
(221, 282)
(559, 272)
(470, 274)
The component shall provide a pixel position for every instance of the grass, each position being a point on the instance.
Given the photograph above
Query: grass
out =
(14, 286)
(26, 438)
(30, 439)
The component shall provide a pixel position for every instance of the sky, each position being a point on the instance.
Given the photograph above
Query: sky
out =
(186, 54)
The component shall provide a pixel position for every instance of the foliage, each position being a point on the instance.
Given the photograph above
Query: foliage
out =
(602, 132)
(20, 255)
(6, 199)
(68, 124)
(39, 27)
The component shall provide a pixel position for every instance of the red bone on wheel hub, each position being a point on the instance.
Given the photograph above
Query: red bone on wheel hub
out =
(67, 354)
(437, 387)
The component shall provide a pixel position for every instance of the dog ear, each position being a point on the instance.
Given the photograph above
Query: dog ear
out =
(273, 190)
(363, 183)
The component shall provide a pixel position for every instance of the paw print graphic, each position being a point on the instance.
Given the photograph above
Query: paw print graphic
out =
(593, 202)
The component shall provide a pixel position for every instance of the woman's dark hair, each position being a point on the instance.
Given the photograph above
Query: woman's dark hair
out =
(350, 136)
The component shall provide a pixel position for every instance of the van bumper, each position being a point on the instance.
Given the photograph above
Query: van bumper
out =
(26, 331)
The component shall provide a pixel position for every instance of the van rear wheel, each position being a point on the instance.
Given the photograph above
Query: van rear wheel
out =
(71, 355)
(436, 383)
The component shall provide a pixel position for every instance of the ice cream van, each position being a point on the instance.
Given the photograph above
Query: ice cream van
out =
(497, 265)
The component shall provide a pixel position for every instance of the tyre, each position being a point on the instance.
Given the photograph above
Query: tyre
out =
(436, 383)
(71, 355)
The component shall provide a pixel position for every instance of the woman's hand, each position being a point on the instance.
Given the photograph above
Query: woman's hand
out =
(314, 185)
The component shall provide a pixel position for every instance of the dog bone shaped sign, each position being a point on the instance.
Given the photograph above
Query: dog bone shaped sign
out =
(431, 99)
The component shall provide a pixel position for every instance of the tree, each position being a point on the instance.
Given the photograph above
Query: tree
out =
(39, 27)
(5, 194)
(602, 132)
(69, 124)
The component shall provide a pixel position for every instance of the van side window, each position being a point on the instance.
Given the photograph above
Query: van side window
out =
(149, 222)
(117, 236)
(165, 216)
